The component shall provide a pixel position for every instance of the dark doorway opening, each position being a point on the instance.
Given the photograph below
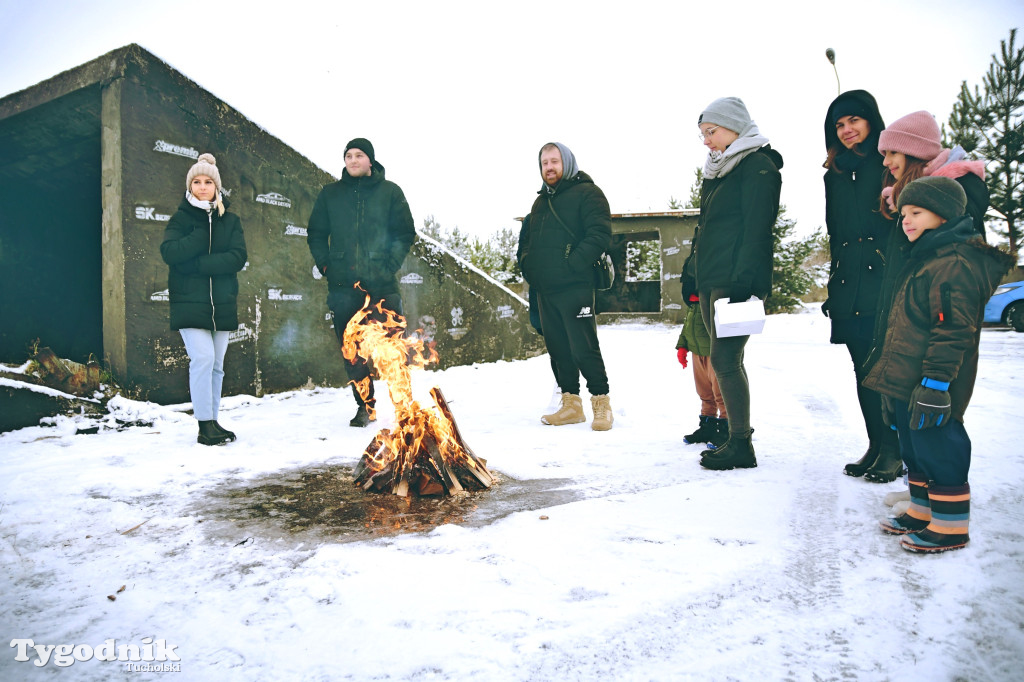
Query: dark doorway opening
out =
(637, 287)
(51, 229)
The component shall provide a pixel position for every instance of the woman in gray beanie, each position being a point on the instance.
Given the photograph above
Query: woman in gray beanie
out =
(204, 248)
(732, 253)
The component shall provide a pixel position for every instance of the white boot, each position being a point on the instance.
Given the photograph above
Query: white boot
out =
(602, 412)
(571, 412)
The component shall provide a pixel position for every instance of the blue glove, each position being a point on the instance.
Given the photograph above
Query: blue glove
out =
(930, 405)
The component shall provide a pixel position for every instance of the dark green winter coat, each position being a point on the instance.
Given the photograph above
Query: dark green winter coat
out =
(204, 252)
(559, 258)
(858, 231)
(732, 247)
(361, 230)
(694, 335)
(934, 325)
(898, 251)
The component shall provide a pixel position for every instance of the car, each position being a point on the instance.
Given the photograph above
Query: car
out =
(1007, 306)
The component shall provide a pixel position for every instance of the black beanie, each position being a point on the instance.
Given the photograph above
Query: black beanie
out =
(364, 145)
(849, 106)
(942, 196)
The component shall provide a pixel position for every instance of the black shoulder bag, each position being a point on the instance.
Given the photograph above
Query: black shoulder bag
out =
(603, 269)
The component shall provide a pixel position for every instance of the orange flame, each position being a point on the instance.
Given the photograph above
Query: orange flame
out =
(376, 334)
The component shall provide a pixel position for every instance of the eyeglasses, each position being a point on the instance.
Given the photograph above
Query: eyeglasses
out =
(705, 134)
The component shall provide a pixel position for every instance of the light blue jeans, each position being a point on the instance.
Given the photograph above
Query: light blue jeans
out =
(206, 351)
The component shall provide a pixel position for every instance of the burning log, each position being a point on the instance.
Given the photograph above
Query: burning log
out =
(424, 454)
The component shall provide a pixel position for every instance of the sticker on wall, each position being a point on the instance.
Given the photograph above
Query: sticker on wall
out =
(672, 306)
(316, 273)
(175, 149)
(412, 278)
(243, 333)
(455, 330)
(149, 213)
(505, 311)
(671, 250)
(276, 295)
(295, 230)
(671, 275)
(274, 199)
(164, 295)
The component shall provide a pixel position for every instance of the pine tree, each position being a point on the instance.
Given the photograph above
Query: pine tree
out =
(989, 125)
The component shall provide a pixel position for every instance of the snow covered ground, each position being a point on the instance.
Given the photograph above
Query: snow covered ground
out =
(599, 556)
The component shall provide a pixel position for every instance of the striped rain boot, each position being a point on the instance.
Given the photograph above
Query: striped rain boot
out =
(951, 511)
(918, 514)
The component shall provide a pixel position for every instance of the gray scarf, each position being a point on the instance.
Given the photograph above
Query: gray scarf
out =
(720, 163)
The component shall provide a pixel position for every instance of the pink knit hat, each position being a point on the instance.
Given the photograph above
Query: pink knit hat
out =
(915, 134)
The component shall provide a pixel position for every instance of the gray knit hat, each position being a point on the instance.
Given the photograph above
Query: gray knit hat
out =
(728, 112)
(206, 165)
(942, 196)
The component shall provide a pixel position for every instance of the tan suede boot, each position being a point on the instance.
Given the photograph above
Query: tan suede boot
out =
(602, 412)
(570, 412)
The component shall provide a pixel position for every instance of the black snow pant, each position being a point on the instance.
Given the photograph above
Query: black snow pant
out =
(344, 303)
(727, 361)
(569, 321)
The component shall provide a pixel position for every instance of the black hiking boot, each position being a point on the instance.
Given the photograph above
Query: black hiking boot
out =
(228, 435)
(704, 432)
(737, 453)
(721, 433)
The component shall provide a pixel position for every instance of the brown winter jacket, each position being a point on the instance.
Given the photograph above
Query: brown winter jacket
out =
(934, 323)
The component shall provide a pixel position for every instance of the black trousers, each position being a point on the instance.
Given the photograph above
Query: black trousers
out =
(344, 303)
(569, 321)
(879, 434)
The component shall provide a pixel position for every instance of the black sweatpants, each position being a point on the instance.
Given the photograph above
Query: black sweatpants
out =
(344, 303)
(569, 321)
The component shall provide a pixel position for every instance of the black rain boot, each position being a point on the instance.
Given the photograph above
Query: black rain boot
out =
(737, 453)
(858, 468)
(208, 434)
(229, 436)
(704, 431)
(362, 417)
(888, 467)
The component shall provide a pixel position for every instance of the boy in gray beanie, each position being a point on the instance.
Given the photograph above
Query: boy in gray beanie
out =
(929, 359)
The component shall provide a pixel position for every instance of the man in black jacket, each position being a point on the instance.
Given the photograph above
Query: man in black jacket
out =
(568, 227)
(360, 231)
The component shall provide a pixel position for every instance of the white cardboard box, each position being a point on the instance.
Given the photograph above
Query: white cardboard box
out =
(739, 319)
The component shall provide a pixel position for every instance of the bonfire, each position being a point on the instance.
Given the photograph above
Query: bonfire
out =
(424, 454)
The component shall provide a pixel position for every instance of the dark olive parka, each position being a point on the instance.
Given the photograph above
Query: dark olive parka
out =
(204, 252)
(554, 257)
(934, 323)
(361, 230)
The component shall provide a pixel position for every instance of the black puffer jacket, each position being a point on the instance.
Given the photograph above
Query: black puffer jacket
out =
(554, 257)
(858, 231)
(934, 324)
(205, 251)
(732, 248)
(361, 230)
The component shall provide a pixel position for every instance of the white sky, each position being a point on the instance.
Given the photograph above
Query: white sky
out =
(458, 97)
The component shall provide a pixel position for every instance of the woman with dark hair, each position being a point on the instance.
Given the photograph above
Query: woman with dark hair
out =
(858, 235)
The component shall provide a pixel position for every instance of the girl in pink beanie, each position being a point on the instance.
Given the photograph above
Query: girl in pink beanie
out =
(912, 147)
